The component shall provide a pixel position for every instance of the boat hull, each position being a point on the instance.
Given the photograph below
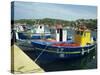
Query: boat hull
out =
(34, 36)
(46, 53)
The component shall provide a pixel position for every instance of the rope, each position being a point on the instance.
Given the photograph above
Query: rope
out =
(40, 53)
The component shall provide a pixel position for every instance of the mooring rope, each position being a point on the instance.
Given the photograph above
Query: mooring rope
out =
(41, 53)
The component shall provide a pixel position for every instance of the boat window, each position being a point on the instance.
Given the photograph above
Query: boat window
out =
(81, 33)
(58, 30)
(40, 27)
(84, 34)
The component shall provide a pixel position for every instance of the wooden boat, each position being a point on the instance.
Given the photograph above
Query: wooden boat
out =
(35, 32)
(50, 50)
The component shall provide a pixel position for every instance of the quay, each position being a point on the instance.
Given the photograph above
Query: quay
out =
(21, 63)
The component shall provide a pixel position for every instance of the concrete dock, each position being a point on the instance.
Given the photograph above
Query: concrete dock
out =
(21, 63)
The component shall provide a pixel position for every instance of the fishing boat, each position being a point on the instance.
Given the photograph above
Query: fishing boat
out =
(61, 47)
(37, 31)
(41, 31)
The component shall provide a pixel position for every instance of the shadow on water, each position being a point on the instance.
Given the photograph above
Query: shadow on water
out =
(88, 61)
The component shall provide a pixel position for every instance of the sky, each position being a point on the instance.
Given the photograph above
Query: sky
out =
(35, 10)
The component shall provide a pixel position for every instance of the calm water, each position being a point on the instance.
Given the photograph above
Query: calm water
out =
(86, 62)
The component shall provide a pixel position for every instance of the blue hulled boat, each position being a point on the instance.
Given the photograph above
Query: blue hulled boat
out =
(61, 48)
(33, 32)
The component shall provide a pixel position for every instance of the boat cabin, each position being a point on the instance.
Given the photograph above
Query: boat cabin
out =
(61, 34)
(83, 36)
(39, 29)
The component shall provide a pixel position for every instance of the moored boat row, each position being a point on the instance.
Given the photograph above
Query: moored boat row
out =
(58, 46)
